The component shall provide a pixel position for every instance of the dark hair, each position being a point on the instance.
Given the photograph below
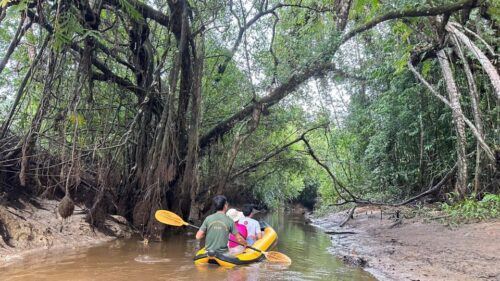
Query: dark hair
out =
(247, 210)
(219, 202)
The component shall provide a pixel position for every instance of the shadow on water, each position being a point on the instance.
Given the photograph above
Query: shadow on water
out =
(173, 260)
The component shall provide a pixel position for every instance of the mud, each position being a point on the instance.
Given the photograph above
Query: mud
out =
(31, 228)
(414, 249)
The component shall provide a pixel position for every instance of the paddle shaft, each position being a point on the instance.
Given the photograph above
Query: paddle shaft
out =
(250, 247)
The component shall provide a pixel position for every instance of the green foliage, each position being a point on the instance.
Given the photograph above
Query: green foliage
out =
(470, 209)
(494, 10)
(66, 29)
(309, 194)
(278, 188)
(361, 7)
(130, 10)
(392, 142)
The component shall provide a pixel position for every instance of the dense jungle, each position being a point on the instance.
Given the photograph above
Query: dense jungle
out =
(124, 107)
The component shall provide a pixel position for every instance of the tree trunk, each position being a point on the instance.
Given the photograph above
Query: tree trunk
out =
(480, 139)
(488, 67)
(474, 96)
(458, 120)
(342, 8)
(191, 181)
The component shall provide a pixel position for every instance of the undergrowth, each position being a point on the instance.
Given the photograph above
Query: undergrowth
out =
(472, 210)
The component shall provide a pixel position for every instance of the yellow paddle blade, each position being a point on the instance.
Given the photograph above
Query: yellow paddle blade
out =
(169, 218)
(278, 257)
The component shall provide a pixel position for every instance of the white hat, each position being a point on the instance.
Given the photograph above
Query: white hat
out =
(235, 215)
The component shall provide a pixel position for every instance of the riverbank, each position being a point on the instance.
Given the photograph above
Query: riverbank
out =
(414, 248)
(33, 228)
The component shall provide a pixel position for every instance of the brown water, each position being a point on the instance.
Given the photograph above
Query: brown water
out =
(173, 260)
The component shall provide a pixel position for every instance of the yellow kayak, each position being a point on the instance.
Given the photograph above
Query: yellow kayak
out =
(267, 241)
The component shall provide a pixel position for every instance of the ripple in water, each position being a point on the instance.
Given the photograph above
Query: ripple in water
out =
(149, 259)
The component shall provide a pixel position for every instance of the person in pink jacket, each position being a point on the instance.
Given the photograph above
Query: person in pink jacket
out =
(235, 248)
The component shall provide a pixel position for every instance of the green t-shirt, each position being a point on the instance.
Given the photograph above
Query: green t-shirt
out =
(217, 228)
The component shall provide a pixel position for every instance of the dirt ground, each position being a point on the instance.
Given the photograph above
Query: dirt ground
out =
(415, 249)
(34, 227)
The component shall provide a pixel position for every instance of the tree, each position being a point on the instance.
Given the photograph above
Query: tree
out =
(158, 90)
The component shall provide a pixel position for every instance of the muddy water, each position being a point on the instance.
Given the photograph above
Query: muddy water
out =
(173, 260)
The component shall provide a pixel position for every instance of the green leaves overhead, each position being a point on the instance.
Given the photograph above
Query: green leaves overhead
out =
(287, 64)
(365, 9)
(66, 29)
(130, 10)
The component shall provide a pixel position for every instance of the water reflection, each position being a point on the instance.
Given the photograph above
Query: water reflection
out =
(173, 260)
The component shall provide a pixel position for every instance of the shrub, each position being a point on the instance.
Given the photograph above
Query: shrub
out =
(471, 209)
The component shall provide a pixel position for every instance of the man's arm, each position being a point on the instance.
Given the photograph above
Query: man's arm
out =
(241, 240)
(200, 234)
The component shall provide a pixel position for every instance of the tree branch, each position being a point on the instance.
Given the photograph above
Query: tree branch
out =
(432, 189)
(348, 217)
(410, 13)
(107, 74)
(146, 11)
(336, 182)
(243, 28)
(488, 67)
(270, 155)
(271, 99)
(21, 29)
(319, 67)
(20, 91)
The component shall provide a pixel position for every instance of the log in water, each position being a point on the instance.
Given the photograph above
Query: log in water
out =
(173, 260)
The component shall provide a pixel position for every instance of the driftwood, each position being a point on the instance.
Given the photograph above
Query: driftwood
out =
(349, 216)
(332, 232)
(398, 222)
(440, 217)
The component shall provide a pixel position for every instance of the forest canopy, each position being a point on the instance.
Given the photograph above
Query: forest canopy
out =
(130, 106)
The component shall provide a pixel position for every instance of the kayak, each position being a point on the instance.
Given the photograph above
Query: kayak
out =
(267, 241)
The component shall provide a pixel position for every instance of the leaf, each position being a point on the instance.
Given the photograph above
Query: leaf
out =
(426, 68)
(130, 10)
(401, 64)
(77, 119)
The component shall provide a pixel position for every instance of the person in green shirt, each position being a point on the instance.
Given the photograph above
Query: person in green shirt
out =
(217, 228)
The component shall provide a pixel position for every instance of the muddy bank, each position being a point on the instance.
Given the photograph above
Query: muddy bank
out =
(414, 249)
(31, 228)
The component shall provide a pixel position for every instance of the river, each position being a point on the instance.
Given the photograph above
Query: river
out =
(172, 259)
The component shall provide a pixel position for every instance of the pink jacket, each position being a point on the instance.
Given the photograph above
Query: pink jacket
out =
(243, 232)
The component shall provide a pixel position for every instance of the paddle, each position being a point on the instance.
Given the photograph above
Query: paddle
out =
(173, 219)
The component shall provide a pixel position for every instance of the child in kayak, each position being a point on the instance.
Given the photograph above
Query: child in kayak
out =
(253, 227)
(236, 216)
